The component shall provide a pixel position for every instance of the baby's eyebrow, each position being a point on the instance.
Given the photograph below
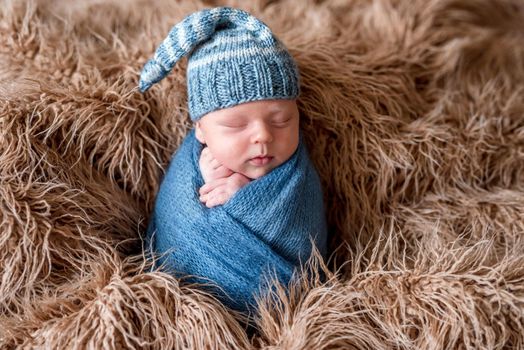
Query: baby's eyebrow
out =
(236, 119)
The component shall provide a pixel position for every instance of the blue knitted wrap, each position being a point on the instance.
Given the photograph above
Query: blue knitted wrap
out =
(233, 58)
(264, 227)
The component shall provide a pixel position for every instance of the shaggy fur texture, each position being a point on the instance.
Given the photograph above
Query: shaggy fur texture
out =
(414, 115)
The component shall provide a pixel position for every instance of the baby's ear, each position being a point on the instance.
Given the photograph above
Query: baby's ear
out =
(198, 133)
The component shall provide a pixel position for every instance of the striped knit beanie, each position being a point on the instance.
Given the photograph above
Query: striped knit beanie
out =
(233, 58)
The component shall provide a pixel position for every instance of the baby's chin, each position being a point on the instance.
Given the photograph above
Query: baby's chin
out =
(255, 172)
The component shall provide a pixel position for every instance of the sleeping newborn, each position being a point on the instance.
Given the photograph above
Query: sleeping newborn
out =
(244, 142)
(240, 202)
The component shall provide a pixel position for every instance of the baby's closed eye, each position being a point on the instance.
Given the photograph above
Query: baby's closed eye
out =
(233, 125)
(281, 121)
(242, 126)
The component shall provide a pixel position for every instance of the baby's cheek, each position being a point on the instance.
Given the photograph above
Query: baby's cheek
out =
(230, 160)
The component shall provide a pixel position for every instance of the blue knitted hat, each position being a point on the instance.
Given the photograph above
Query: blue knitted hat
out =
(233, 58)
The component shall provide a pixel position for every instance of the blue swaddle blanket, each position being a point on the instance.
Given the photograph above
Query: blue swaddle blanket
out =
(264, 227)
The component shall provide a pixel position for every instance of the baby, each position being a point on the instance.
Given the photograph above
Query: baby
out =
(244, 142)
(240, 198)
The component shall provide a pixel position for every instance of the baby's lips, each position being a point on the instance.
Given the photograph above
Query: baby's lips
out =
(261, 160)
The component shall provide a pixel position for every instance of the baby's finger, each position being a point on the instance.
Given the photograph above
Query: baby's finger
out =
(205, 198)
(215, 163)
(222, 171)
(217, 199)
(210, 186)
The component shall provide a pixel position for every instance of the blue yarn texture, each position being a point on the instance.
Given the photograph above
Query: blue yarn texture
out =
(233, 58)
(263, 229)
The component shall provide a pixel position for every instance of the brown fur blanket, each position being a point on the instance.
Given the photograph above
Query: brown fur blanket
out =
(414, 114)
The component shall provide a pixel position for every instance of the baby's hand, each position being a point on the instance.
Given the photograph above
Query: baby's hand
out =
(210, 168)
(219, 191)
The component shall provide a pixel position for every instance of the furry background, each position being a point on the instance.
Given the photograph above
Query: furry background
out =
(414, 115)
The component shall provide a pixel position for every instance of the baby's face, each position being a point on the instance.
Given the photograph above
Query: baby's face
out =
(252, 138)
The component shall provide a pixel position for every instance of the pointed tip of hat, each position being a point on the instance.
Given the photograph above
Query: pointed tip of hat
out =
(143, 86)
(151, 73)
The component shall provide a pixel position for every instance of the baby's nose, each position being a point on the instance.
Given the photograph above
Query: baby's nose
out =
(262, 134)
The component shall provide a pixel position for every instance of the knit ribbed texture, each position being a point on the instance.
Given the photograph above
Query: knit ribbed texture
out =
(265, 226)
(233, 58)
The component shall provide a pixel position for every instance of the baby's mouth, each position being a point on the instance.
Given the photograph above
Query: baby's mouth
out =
(260, 160)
